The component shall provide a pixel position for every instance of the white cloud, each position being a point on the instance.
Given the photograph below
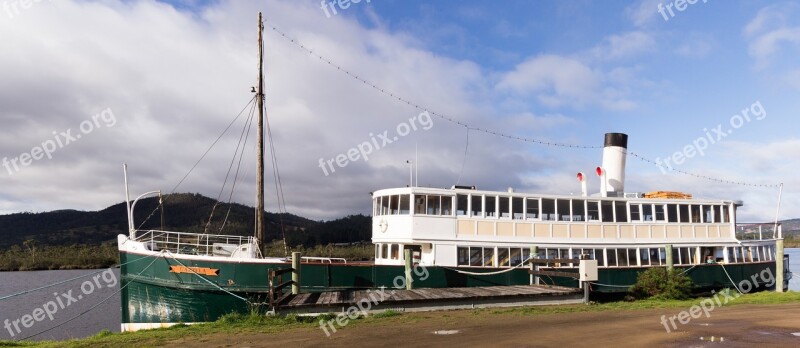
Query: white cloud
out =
(557, 81)
(624, 45)
(771, 30)
(695, 45)
(642, 13)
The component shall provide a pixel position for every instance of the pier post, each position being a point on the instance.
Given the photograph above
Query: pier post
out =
(670, 260)
(534, 255)
(409, 280)
(295, 273)
(779, 266)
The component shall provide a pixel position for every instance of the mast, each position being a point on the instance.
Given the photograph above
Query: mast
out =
(260, 223)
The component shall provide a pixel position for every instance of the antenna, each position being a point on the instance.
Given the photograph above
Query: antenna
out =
(416, 161)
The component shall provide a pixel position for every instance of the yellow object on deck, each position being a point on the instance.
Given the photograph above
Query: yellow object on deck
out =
(668, 195)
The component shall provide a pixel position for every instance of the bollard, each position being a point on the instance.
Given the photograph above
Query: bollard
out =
(409, 280)
(295, 273)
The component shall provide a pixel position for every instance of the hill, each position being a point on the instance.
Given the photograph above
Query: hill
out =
(181, 212)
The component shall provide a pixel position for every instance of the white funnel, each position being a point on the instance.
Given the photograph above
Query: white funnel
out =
(614, 155)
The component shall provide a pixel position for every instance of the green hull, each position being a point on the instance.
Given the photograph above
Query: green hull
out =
(153, 294)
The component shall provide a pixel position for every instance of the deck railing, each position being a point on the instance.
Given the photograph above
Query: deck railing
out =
(193, 243)
(758, 231)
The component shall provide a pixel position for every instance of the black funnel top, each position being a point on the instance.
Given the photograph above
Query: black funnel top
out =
(616, 139)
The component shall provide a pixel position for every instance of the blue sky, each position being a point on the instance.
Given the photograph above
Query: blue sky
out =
(563, 71)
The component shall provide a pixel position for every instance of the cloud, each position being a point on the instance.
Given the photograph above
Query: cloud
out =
(773, 28)
(176, 78)
(695, 45)
(557, 81)
(624, 45)
(642, 13)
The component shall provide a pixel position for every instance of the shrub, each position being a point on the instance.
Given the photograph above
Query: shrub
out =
(659, 283)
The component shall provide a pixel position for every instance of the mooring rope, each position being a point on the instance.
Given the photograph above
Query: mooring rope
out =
(96, 305)
(65, 281)
(731, 279)
(488, 273)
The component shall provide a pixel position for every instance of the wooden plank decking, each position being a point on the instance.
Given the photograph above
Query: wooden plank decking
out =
(431, 298)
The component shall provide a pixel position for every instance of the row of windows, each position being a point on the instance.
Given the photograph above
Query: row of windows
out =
(478, 256)
(387, 251)
(548, 209)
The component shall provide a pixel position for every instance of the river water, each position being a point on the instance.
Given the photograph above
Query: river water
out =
(71, 299)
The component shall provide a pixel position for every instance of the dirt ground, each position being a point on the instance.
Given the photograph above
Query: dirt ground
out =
(737, 326)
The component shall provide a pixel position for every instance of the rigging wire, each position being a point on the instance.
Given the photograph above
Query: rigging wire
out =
(278, 184)
(238, 167)
(230, 167)
(487, 131)
(198, 162)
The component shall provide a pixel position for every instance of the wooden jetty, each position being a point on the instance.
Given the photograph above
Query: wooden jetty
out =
(429, 299)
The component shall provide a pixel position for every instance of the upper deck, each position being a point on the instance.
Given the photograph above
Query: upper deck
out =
(416, 214)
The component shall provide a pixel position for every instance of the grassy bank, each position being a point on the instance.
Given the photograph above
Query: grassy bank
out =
(245, 324)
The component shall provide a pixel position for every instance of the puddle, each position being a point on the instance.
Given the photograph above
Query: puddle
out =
(445, 332)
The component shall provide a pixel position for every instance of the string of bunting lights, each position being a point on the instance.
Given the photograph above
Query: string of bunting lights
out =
(487, 131)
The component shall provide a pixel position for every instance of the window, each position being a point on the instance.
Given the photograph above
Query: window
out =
(695, 213)
(395, 251)
(394, 205)
(647, 212)
(477, 206)
(488, 257)
(516, 256)
(622, 213)
(632, 257)
(592, 211)
(503, 257)
(635, 212)
(548, 209)
(562, 205)
(731, 252)
(516, 207)
(708, 215)
(612, 257)
(717, 214)
(578, 210)
(607, 211)
(684, 210)
(375, 205)
(405, 204)
(692, 256)
(461, 204)
(532, 209)
(385, 205)
(725, 214)
(475, 256)
(645, 255)
(447, 205)
(384, 251)
(672, 212)
(419, 204)
(434, 205)
(463, 256)
(600, 257)
(491, 208)
(676, 257)
(622, 257)
(660, 212)
(377, 251)
(505, 208)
